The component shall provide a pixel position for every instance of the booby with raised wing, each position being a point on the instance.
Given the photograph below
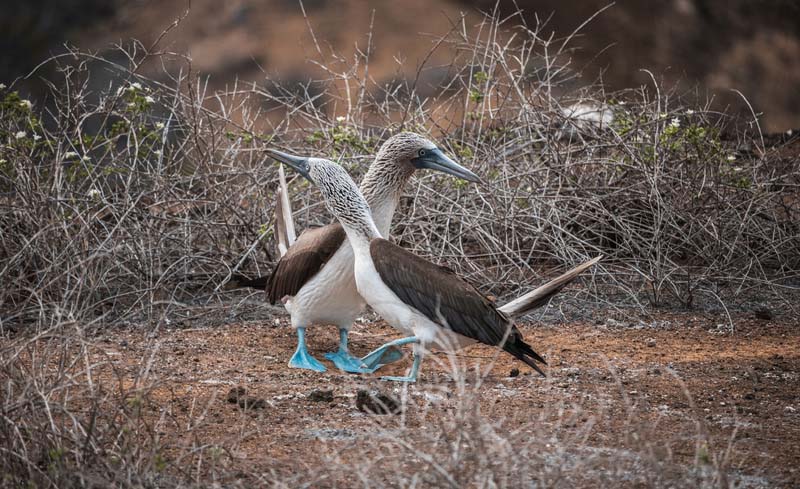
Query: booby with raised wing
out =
(431, 303)
(314, 279)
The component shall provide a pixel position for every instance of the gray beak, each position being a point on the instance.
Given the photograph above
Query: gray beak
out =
(298, 163)
(435, 159)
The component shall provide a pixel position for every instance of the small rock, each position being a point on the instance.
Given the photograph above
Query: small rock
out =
(235, 394)
(514, 372)
(318, 395)
(650, 342)
(376, 403)
(331, 434)
(252, 403)
(764, 313)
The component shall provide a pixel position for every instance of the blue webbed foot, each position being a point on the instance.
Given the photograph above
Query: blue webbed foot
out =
(387, 353)
(382, 356)
(409, 378)
(302, 358)
(348, 363)
(412, 375)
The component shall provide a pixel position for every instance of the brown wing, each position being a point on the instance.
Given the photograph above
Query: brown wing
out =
(309, 253)
(447, 300)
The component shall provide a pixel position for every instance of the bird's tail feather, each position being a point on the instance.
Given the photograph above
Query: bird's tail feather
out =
(284, 225)
(524, 352)
(538, 297)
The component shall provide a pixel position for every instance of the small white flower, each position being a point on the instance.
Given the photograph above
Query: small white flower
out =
(689, 112)
(731, 158)
(663, 115)
(676, 123)
(737, 168)
(135, 86)
(36, 137)
(149, 99)
(20, 134)
(157, 152)
(341, 118)
(26, 103)
(70, 154)
(159, 125)
(94, 194)
(2, 86)
(86, 158)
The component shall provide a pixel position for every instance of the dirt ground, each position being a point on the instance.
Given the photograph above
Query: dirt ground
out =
(672, 377)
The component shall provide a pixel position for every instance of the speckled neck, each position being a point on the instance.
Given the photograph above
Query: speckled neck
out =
(383, 184)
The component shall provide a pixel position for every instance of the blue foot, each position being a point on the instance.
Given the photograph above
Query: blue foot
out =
(409, 378)
(302, 358)
(412, 376)
(348, 363)
(344, 360)
(387, 353)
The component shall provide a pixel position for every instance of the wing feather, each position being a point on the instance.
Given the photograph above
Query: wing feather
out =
(304, 259)
(448, 300)
(438, 293)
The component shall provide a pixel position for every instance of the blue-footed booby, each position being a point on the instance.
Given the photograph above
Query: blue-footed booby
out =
(314, 278)
(431, 303)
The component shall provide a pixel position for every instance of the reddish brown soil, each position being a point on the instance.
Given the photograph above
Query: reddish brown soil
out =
(672, 378)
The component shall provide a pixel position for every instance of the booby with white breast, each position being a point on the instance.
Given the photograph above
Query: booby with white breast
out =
(314, 278)
(415, 296)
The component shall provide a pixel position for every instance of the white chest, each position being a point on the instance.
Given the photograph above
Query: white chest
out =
(397, 313)
(330, 297)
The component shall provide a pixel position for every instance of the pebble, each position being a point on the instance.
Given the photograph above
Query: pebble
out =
(318, 395)
(376, 402)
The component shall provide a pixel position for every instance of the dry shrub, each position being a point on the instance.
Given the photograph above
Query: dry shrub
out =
(132, 198)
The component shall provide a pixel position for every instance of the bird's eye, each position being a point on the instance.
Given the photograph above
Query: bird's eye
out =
(421, 152)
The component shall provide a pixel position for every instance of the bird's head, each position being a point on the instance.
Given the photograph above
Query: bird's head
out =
(340, 192)
(419, 153)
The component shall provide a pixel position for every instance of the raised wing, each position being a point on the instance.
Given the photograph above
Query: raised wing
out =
(304, 259)
(448, 300)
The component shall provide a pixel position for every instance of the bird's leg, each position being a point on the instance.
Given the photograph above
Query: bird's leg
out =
(343, 359)
(387, 353)
(412, 375)
(302, 358)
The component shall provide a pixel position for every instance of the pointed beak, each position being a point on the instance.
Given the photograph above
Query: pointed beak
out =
(298, 163)
(435, 159)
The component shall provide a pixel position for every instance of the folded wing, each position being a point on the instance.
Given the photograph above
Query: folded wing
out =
(304, 259)
(447, 300)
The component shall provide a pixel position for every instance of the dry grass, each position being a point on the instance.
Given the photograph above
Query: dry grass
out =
(133, 199)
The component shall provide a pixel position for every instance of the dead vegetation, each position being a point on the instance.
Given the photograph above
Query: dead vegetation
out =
(132, 200)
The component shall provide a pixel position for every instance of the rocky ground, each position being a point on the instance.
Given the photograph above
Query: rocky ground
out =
(705, 393)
